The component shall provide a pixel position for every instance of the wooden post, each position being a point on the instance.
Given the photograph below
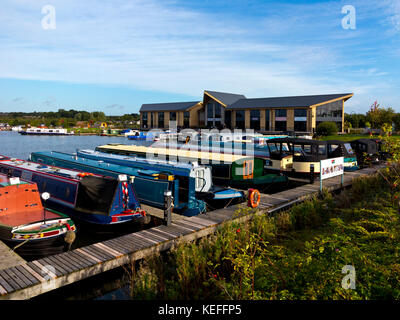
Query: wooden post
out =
(167, 207)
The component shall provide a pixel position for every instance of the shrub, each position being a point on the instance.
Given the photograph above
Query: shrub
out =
(327, 129)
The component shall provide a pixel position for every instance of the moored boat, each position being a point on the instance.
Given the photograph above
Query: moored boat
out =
(149, 183)
(296, 157)
(337, 148)
(191, 176)
(366, 150)
(46, 132)
(227, 169)
(25, 225)
(86, 197)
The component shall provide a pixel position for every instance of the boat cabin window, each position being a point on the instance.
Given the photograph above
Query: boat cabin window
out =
(348, 148)
(307, 149)
(322, 150)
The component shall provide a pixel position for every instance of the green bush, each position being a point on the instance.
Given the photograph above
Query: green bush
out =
(327, 129)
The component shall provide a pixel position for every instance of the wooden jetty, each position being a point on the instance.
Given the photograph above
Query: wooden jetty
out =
(24, 280)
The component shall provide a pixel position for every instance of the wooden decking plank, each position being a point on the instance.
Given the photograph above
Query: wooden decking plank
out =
(33, 280)
(201, 220)
(68, 261)
(89, 256)
(44, 264)
(122, 245)
(40, 271)
(173, 230)
(185, 227)
(57, 265)
(135, 243)
(83, 261)
(5, 284)
(29, 269)
(138, 242)
(105, 256)
(21, 276)
(155, 235)
(146, 239)
(162, 234)
(189, 225)
(21, 284)
(106, 248)
(95, 253)
(167, 232)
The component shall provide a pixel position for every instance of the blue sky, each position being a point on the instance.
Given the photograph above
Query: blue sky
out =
(115, 55)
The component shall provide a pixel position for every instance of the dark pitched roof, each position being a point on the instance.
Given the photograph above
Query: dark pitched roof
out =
(282, 102)
(173, 106)
(225, 98)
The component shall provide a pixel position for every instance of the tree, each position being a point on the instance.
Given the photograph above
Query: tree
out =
(378, 116)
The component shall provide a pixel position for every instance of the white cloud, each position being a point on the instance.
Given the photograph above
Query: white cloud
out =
(155, 45)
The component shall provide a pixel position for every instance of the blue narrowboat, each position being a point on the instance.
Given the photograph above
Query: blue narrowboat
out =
(149, 184)
(81, 195)
(191, 175)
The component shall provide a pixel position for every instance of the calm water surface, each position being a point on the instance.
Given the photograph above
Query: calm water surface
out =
(110, 285)
(21, 146)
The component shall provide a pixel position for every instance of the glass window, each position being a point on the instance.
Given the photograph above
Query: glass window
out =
(280, 126)
(300, 126)
(349, 148)
(210, 110)
(322, 149)
(280, 113)
(240, 119)
(161, 119)
(307, 149)
(300, 112)
(144, 120)
(255, 119)
(172, 116)
(186, 117)
(217, 110)
(267, 114)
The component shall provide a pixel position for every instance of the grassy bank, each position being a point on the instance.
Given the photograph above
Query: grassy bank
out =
(350, 137)
(297, 254)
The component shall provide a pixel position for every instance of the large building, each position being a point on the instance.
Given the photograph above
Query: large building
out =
(235, 111)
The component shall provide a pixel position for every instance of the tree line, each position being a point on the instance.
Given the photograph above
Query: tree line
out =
(63, 118)
(375, 118)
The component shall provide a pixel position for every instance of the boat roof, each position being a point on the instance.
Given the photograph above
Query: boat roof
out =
(5, 181)
(101, 165)
(133, 159)
(46, 169)
(336, 142)
(364, 140)
(188, 154)
(298, 141)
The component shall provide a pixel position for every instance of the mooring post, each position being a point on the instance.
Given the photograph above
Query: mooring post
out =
(167, 207)
(311, 173)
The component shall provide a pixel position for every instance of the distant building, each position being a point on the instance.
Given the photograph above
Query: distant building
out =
(235, 111)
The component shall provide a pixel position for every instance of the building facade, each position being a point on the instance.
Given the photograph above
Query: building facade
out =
(235, 111)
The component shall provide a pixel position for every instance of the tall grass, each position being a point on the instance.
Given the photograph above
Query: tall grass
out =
(296, 254)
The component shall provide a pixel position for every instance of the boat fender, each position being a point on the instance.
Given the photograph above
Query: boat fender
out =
(254, 198)
(69, 235)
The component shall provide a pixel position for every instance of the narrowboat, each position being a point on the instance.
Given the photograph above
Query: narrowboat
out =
(26, 226)
(383, 155)
(89, 198)
(191, 176)
(366, 150)
(46, 132)
(149, 183)
(296, 157)
(227, 169)
(337, 148)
